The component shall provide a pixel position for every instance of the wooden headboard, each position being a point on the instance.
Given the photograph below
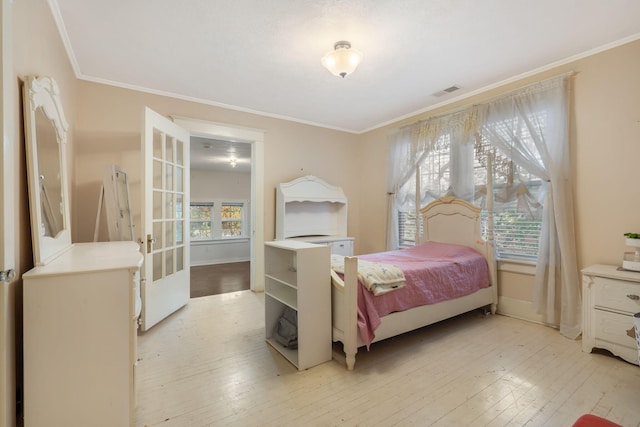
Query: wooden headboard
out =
(453, 220)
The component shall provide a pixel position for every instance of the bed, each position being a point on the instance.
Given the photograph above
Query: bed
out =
(447, 220)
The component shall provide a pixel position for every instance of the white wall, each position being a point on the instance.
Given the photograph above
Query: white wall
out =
(207, 185)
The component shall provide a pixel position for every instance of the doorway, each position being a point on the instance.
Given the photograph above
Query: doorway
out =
(255, 140)
(220, 215)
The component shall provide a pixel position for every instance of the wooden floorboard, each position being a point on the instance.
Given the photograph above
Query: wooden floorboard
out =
(217, 279)
(209, 365)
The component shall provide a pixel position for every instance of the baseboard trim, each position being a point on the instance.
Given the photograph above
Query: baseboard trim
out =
(519, 309)
(226, 261)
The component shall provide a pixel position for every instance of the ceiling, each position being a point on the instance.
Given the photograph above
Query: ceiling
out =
(264, 56)
(214, 154)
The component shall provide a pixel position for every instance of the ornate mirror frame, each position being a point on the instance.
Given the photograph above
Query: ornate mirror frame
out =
(46, 137)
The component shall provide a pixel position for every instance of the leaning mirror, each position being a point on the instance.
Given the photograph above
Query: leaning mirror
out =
(46, 137)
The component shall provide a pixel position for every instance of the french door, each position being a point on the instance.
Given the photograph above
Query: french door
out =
(8, 233)
(165, 233)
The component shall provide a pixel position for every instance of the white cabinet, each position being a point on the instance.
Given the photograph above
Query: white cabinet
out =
(298, 275)
(80, 336)
(610, 298)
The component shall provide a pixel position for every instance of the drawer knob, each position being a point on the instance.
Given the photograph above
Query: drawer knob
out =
(633, 297)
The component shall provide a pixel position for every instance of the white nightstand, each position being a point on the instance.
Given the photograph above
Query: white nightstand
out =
(610, 298)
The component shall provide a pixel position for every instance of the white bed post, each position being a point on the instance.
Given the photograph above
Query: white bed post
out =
(350, 344)
(490, 241)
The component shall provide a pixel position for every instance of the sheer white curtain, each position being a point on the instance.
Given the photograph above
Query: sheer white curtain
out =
(401, 166)
(408, 148)
(531, 126)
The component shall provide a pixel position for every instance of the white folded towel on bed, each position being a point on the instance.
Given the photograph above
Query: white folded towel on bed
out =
(376, 277)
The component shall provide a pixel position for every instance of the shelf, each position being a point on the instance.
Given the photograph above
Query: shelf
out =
(283, 293)
(290, 354)
(289, 278)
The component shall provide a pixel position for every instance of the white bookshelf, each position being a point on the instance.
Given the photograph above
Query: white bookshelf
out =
(298, 275)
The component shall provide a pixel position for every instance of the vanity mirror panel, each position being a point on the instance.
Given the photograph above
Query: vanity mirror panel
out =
(46, 137)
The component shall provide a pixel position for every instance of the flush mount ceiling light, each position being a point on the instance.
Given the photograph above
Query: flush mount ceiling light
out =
(342, 60)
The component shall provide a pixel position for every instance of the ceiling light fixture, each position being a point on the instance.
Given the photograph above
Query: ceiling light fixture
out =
(343, 60)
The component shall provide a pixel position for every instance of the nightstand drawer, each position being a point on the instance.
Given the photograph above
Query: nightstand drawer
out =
(616, 295)
(613, 327)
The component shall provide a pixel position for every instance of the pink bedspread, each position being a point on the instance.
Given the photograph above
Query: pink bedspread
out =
(434, 272)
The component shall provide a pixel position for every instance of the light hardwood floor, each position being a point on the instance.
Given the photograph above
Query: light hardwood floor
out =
(209, 365)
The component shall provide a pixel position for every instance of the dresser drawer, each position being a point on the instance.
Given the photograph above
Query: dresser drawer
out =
(616, 295)
(613, 327)
(342, 247)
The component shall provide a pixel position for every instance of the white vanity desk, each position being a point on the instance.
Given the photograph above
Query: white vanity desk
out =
(81, 301)
(309, 209)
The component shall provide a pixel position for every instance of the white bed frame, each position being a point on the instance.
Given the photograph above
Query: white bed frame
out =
(448, 220)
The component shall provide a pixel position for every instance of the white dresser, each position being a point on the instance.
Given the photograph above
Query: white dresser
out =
(80, 336)
(610, 298)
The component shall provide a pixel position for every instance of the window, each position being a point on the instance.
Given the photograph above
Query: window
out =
(201, 221)
(516, 234)
(517, 214)
(218, 220)
(407, 228)
(435, 171)
(517, 204)
(517, 194)
(232, 215)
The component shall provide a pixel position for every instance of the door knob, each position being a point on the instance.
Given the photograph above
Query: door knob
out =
(7, 275)
(150, 241)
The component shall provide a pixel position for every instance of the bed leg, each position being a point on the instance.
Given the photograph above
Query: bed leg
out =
(351, 360)
(494, 308)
